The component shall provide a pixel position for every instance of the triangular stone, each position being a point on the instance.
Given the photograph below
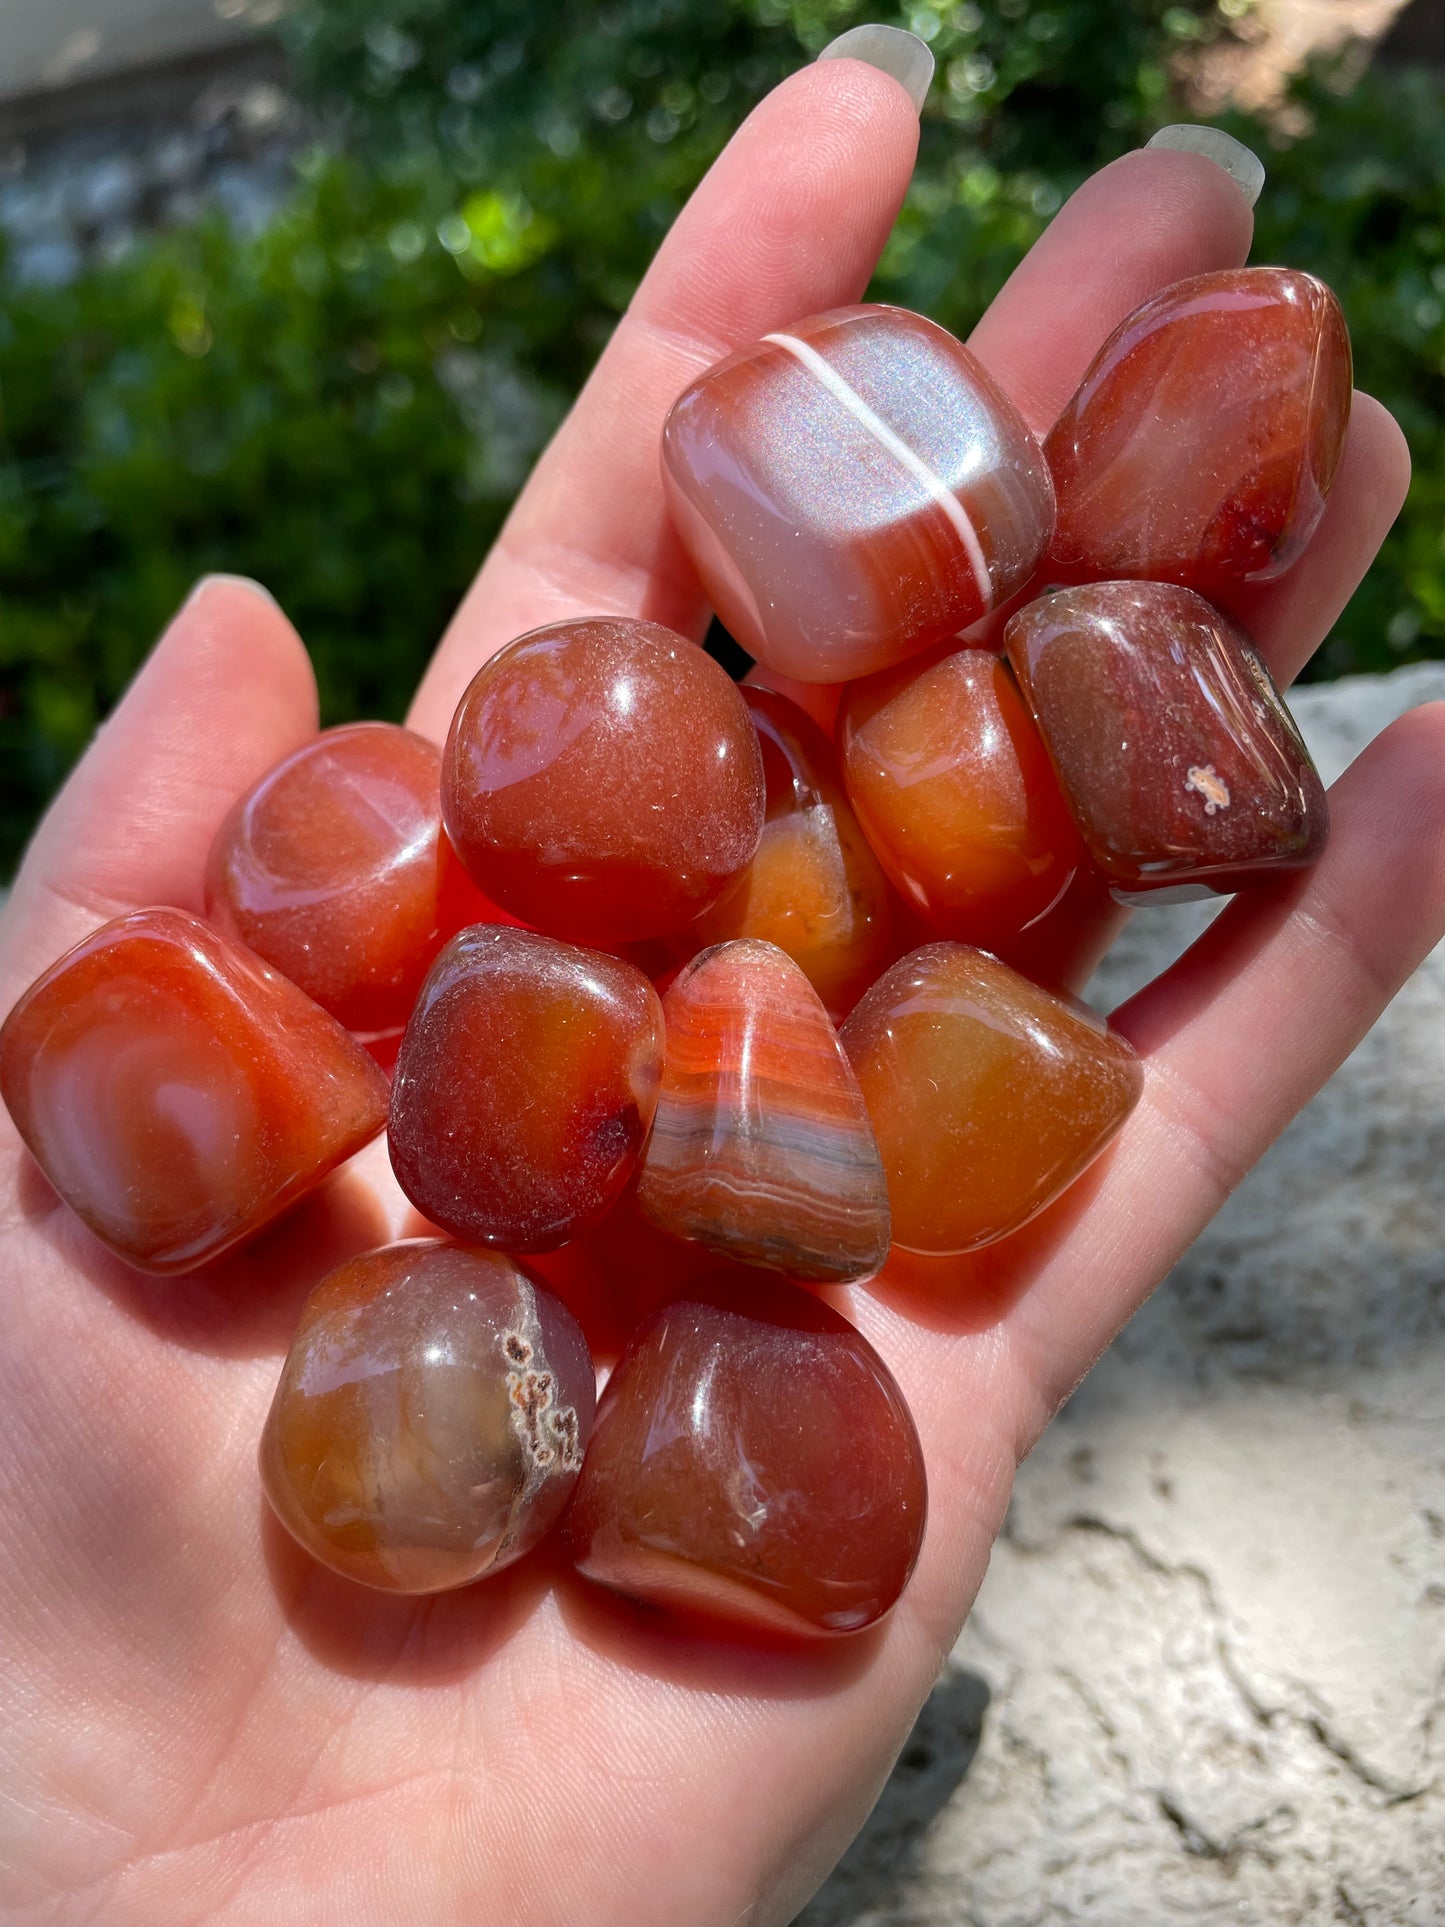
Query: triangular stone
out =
(761, 1148)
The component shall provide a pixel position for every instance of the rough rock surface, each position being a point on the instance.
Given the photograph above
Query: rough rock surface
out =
(1205, 1678)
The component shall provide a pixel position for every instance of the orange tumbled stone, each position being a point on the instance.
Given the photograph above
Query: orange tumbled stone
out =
(753, 1459)
(431, 1417)
(954, 788)
(524, 1087)
(988, 1095)
(1202, 442)
(333, 868)
(177, 1092)
(602, 781)
(761, 1147)
(815, 888)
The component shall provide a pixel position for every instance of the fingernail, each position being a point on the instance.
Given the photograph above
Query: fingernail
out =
(240, 581)
(1240, 163)
(892, 50)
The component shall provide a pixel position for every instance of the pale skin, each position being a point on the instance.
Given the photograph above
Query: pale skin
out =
(196, 1724)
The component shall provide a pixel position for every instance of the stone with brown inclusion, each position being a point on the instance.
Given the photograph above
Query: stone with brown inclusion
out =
(431, 1417)
(333, 867)
(753, 1460)
(815, 888)
(524, 1087)
(1180, 761)
(954, 788)
(1202, 442)
(988, 1095)
(177, 1092)
(761, 1147)
(853, 489)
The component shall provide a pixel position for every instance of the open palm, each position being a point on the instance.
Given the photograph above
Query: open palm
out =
(201, 1726)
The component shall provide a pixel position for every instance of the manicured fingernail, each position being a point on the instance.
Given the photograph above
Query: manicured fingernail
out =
(241, 581)
(1240, 163)
(891, 50)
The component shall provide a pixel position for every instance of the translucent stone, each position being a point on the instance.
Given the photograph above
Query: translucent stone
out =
(753, 1460)
(431, 1417)
(334, 869)
(1182, 766)
(954, 788)
(602, 781)
(989, 1096)
(1201, 444)
(814, 888)
(854, 489)
(761, 1147)
(177, 1092)
(524, 1087)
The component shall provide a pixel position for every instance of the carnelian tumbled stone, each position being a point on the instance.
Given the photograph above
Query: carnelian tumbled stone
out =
(761, 1148)
(177, 1093)
(854, 489)
(814, 888)
(955, 791)
(1182, 765)
(333, 869)
(1202, 443)
(602, 780)
(753, 1459)
(431, 1417)
(988, 1094)
(525, 1083)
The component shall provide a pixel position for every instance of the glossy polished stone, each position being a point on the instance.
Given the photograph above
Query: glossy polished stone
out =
(1182, 765)
(524, 1087)
(954, 788)
(333, 868)
(815, 888)
(761, 1148)
(603, 781)
(1202, 443)
(989, 1096)
(177, 1092)
(431, 1417)
(753, 1460)
(854, 489)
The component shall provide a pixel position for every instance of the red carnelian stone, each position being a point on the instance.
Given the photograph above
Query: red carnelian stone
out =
(431, 1417)
(334, 869)
(752, 1459)
(1181, 763)
(177, 1093)
(954, 788)
(815, 888)
(1202, 443)
(603, 781)
(524, 1087)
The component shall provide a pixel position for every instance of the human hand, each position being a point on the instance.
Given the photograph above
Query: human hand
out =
(200, 1725)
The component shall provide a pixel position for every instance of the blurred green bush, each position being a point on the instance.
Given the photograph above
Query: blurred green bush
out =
(345, 405)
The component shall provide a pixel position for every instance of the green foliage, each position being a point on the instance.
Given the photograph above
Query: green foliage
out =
(345, 405)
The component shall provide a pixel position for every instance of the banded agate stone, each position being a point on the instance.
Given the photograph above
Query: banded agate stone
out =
(1203, 440)
(1180, 761)
(815, 888)
(524, 1087)
(753, 1460)
(334, 869)
(954, 788)
(177, 1092)
(602, 781)
(430, 1420)
(854, 489)
(761, 1147)
(989, 1095)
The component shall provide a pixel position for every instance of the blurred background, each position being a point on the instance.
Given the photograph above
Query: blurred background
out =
(299, 290)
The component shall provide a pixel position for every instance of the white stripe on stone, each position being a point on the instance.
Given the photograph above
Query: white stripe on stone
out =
(898, 449)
